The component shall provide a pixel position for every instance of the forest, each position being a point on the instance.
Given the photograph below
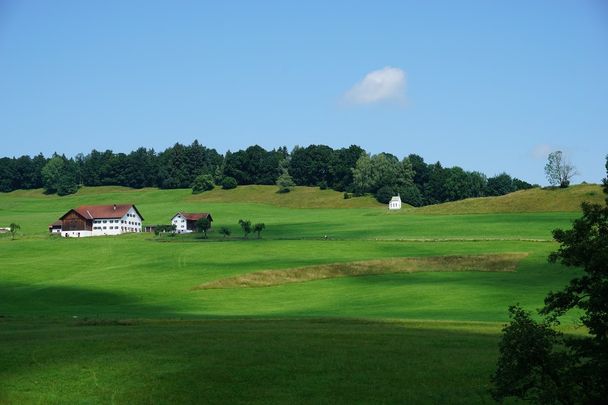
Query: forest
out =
(350, 170)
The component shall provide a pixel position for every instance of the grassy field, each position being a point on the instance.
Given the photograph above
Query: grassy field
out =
(120, 319)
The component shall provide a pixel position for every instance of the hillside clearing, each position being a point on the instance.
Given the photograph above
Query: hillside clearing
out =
(299, 197)
(267, 278)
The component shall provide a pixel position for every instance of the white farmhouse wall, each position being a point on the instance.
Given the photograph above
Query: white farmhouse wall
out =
(129, 223)
(180, 224)
(76, 234)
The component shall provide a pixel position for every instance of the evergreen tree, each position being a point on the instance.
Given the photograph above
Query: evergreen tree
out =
(285, 182)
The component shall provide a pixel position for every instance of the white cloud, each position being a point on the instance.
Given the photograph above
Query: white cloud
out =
(541, 151)
(386, 84)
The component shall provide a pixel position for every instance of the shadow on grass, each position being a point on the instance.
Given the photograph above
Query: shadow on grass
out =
(47, 356)
(246, 361)
(43, 300)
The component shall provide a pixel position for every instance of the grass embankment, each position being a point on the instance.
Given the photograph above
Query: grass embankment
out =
(268, 278)
(524, 201)
(299, 197)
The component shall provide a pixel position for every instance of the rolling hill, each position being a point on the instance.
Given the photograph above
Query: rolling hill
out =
(406, 306)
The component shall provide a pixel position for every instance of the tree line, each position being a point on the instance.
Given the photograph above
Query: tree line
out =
(350, 170)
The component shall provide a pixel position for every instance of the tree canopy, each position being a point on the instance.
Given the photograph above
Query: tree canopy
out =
(558, 170)
(536, 362)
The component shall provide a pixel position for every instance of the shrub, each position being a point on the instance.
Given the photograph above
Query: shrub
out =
(158, 229)
(204, 182)
(228, 183)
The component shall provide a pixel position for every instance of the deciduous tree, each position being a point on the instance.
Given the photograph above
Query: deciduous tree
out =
(202, 183)
(228, 183)
(246, 227)
(568, 369)
(59, 176)
(203, 225)
(558, 170)
(13, 228)
(258, 228)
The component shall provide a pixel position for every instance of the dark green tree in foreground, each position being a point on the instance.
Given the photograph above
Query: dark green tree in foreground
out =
(542, 365)
(13, 228)
(202, 226)
(258, 228)
(225, 231)
(245, 226)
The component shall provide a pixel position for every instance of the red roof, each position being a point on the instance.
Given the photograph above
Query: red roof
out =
(104, 211)
(195, 216)
(56, 223)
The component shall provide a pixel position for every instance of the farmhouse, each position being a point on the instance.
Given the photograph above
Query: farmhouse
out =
(395, 203)
(185, 222)
(98, 220)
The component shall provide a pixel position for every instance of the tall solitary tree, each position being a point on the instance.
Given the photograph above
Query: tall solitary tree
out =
(558, 170)
(539, 363)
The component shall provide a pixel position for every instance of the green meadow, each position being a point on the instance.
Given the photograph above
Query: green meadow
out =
(124, 320)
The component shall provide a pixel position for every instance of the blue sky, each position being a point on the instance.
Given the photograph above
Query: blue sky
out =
(486, 85)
